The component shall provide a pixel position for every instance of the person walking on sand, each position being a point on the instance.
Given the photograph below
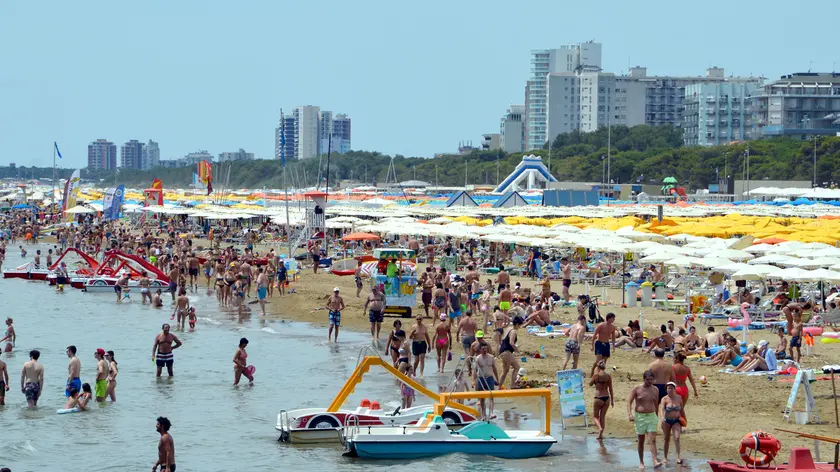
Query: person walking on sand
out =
(602, 339)
(335, 304)
(112, 376)
(375, 306)
(357, 277)
(420, 344)
(672, 413)
(32, 379)
(604, 397)
(442, 341)
(466, 332)
(166, 446)
(644, 417)
(663, 373)
(102, 375)
(262, 288)
(576, 333)
(74, 367)
(240, 363)
(566, 270)
(162, 350)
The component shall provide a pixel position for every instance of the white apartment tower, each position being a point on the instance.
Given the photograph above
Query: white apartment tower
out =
(568, 58)
(512, 129)
(306, 133)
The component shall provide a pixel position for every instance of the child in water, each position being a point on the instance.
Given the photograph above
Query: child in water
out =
(406, 391)
(192, 318)
(461, 384)
(79, 401)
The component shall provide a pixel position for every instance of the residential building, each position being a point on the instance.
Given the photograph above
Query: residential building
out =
(102, 154)
(151, 155)
(194, 158)
(239, 155)
(512, 129)
(588, 99)
(325, 127)
(306, 132)
(131, 155)
(568, 58)
(341, 128)
(491, 141)
(801, 105)
(716, 113)
(665, 95)
(171, 163)
(287, 147)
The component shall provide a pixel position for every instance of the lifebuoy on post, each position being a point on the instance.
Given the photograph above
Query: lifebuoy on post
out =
(758, 448)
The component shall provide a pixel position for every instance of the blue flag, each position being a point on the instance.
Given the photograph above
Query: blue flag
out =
(56, 149)
(112, 203)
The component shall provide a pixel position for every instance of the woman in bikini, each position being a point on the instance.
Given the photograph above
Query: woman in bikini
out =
(442, 340)
(681, 374)
(604, 398)
(240, 363)
(10, 337)
(230, 280)
(439, 302)
(395, 340)
(111, 390)
(672, 412)
(404, 359)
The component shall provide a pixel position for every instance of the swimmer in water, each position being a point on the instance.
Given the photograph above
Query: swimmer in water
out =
(76, 400)
(157, 302)
(240, 363)
(192, 318)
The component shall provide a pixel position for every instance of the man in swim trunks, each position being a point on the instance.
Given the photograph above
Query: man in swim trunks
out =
(173, 275)
(166, 447)
(102, 371)
(420, 344)
(282, 276)
(315, 252)
(662, 373)
(576, 333)
(193, 265)
(505, 297)
(262, 288)
(182, 307)
(466, 332)
(566, 270)
(644, 417)
(427, 281)
(74, 367)
(485, 378)
(32, 379)
(162, 350)
(602, 339)
(335, 304)
(375, 306)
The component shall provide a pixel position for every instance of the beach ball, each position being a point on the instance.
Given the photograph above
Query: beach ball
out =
(703, 379)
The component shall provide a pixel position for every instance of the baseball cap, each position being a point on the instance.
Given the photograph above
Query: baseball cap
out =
(762, 343)
(100, 351)
(335, 289)
(479, 334)
(672, 384)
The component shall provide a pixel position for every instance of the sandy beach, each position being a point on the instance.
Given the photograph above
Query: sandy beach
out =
(728, 406)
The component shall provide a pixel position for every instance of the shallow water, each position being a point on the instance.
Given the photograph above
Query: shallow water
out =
(215, 426)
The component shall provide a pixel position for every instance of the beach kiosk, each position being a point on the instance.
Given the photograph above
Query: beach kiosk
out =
(400, 289)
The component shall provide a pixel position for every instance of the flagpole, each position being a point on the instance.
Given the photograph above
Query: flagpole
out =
(288, 226)
(327, 191)
(53, 179)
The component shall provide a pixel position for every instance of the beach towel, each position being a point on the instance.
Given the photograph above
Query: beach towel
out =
(749, 374)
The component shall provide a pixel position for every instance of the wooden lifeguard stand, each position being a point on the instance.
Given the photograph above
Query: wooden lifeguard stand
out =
(152, 196)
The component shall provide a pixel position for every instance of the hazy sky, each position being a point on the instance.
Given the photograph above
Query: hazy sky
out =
(415, 77)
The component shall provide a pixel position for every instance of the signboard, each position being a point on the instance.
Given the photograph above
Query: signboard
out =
(570, 386)
(399, 291)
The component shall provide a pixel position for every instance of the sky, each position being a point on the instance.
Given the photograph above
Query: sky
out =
(416, 78)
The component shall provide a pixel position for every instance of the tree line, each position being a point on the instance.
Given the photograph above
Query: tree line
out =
(638, 154)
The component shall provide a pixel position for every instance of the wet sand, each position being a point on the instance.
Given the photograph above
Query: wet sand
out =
(728, 407)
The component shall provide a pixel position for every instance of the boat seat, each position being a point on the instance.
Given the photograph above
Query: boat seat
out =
(483, 430)
(800, 459)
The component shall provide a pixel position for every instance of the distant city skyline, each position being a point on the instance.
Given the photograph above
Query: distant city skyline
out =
(409, 92)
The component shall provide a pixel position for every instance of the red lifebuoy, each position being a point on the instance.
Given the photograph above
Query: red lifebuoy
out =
(758, 448)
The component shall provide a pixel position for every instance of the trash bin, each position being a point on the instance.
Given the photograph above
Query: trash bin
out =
(660, 290)
(647, 294)
(630, 294)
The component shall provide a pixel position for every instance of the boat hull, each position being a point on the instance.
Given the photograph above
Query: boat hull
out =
(19, 274)
(504, 449)
(106, 285)
(720, 466)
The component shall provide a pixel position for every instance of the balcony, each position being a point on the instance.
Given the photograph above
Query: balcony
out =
(710, 99)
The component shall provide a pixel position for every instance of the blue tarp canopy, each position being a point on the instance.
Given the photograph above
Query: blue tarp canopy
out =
(21, 206)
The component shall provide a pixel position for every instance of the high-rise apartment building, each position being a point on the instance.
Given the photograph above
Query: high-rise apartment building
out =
(306, 132)
(102, 154)
(512, 129)
(131, 155)
(801, 105)
(665, 95)
(588, 99)
(239, 155)
(716, 113)
(568, 58)
(194, 158)
(151, 155)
